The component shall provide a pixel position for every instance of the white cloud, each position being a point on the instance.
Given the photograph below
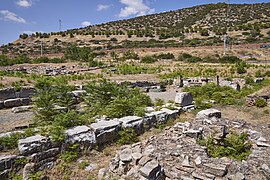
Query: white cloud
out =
(31, 32)
(85, 23)
(102, 7)
(24, 3)
(134, 7)
(10, 16)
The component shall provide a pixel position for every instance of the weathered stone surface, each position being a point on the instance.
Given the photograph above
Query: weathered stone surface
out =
(198, 161)
(136, 157)
(202, 176)
(209, 113)
(184, 98)
(237, 176)
(216, 169)
(151, 170)
(105, 131)
(149, 120)
(4, 174)
(133, 122)
(82, 135)
(7, 161)
(33, 144)
(12, 103)
(186, 162)
(172, 114)
(193, 133)
(2, 106)
(262, 144)
(79, 93)
(230, 84)
(21, 109)
(8, 93)
(160, 116)
(37, 157)
(25, 101)
(102, 173)
(26, 92)
(125, 155)
(27, 170)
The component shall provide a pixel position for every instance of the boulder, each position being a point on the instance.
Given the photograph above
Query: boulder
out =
(6, 161)
(82, 135)
(33, 144)
(12, 103)
(151, 170)
(184, 98)
(105, 131)
(133, 122)
(125, 155)
(8, 93)
(21, 109)
(208, 113)
(37, 157)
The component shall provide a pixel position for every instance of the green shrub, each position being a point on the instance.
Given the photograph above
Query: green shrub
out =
(260, 102)
(234, 146)
(83, 164)
(127, 136)
(148, 59)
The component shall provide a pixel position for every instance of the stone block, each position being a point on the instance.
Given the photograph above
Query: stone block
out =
(151, 170)
(25, 101)
(6, 161)
(160, 116)
(21, 109)
(8, 93)
(208, 113)
(216, 169)
(172, 114)
(105, 131)
(133, 122)
(26, 92)
(12, 103)
(184, 98)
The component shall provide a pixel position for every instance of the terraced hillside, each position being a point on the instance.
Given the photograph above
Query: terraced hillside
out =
(196, 26)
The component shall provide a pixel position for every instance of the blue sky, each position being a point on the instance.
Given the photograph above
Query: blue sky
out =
(19, 16)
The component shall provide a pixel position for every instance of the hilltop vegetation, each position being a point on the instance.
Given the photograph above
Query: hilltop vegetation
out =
(195, 26)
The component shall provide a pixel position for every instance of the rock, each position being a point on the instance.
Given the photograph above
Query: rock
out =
(193, 133)
(172, 114)
(186, 163)
(4, 174)
(144, 160)
(188, 108)
(90, 167)
(136, 157)
(26, 92)
(198, 161)
(33, 144)
(262, 139)
(102, 173)
(202, 176)
(217, 170)
(254, 134)
(149, 109)
(2, 106)
(37, 157)
(12, 103)
(82, 135)
(262, 144)
(265, 168)
(27, 170)
(230, 84)
(21, 109)
(79, 93)
(105, 131)
(8, 93)
(160, 116)
(237, 176)
(125, 155)
(151, 170)
(149, 120)
(184, 98)
(114, 163)
(25, 101)
(220, 132)
(208, 113)
(6, 161)
(133, 122)
(149, 149)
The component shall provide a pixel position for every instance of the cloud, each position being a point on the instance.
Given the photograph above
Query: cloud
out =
(85, 23)
(10, 16)
(134, 7)
(102, 7)
(31, 32)
(24, 3)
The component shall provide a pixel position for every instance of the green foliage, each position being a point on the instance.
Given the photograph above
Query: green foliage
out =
(69, 156)
(136, 69)
(35, 176)
(165, 56)
(258, 73)
(130, 55)
(107, 98)
(127, 136)
(83, 164)
(234, 146)
(159, 102)
(249, 80)
(148, 59)
(17, 85)
(21, 161)
(260, 102)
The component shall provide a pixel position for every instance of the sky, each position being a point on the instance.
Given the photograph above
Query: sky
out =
(27, 16)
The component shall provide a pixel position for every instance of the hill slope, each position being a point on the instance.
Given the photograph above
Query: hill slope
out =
(198, 25)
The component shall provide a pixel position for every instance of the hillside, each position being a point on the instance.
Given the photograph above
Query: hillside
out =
(196, 26)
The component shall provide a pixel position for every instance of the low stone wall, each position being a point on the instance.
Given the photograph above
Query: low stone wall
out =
(41, 152)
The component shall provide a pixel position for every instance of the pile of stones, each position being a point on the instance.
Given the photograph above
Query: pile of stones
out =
(175, 154)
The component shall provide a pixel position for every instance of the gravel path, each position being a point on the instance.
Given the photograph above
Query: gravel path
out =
(10, 120)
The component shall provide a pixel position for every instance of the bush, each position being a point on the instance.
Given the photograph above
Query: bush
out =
(234, 146)
(148, 59)
(127, 136)
(260, 102)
